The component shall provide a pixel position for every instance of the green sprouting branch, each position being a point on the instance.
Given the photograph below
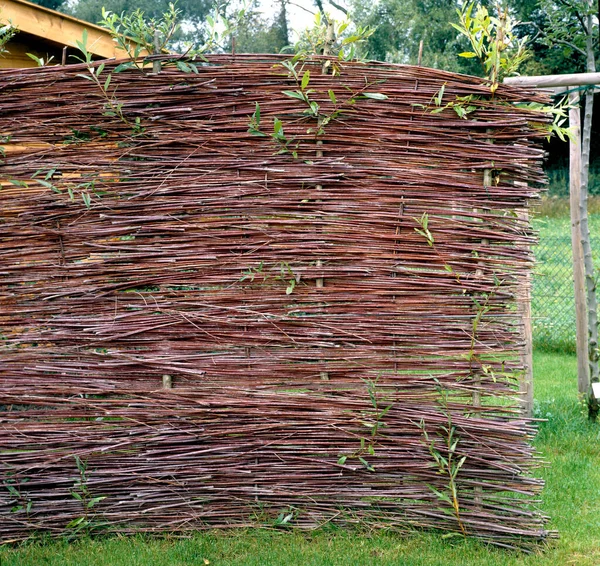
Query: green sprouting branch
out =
(483, 307)
(559, 114)
(313, 110)
(493, 41)
(285, 275)
(81, 492)
(374, 422)
(423, 230)
(50, 179)
(283, 143)
(447, 459)
(22, 502)
(112, 106)
(7, 32)
(461, 105)
(449, 464)
(303, 93)
(134, 33)
(328, 35)
(496, 45)
(41, 62)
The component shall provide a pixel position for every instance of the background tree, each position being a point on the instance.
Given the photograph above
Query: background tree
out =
(192, 12)
(550, 57)
(258, 33)
(403, 24)
(52, 4)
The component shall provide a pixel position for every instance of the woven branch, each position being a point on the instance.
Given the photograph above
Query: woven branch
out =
(196, 256)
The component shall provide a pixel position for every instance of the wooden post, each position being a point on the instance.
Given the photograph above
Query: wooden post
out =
(554, 81)
(526, 384)
(583, 373)
(487, 182)
(524, 308)
(559, 83)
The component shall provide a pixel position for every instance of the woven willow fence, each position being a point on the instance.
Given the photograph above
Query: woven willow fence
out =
(204, 326)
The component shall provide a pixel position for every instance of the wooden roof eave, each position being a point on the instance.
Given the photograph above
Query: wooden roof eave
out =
(59, 28)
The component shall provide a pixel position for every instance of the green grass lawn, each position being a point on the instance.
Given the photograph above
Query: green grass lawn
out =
(567, 441)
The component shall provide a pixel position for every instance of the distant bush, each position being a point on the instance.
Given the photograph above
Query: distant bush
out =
(558, 179)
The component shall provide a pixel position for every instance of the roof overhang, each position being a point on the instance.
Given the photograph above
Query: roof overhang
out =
(59, 28)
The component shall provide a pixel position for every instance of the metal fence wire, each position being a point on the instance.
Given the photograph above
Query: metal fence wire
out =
(553, 302)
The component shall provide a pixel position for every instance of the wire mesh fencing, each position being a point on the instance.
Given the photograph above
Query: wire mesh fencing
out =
(553, 301)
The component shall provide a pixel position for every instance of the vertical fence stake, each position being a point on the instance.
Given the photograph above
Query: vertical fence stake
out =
(167, 380)
(478, 491)
(487, 182)
(320, 282)
(583, 371)
(524, 308)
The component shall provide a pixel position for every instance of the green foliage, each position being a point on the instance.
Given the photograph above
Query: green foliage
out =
(463, 106)
(112, 106)
(423, 229)
(558, 181)
(560, 118)
(373, 421)
(448, 463)
(41, 62)
(564, 26)
(313, 110)
(402, 24)
(136, 32)
(21, 502)
(7, 32)
(281, 272)
(87, 522)
(4, 138)
(493, 41)
(282, 142)
(140, 31)
(557, 29)
(344, 39)
(193, 12)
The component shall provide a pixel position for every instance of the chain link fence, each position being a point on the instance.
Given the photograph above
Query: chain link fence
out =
(552, 301)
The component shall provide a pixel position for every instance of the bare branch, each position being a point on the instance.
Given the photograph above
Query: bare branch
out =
(319, 4)
(339, 7)
(301, 7)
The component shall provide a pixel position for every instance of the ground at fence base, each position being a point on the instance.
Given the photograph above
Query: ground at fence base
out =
(565, 439)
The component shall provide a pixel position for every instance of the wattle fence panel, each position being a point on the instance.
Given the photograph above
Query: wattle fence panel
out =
(226, 305)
